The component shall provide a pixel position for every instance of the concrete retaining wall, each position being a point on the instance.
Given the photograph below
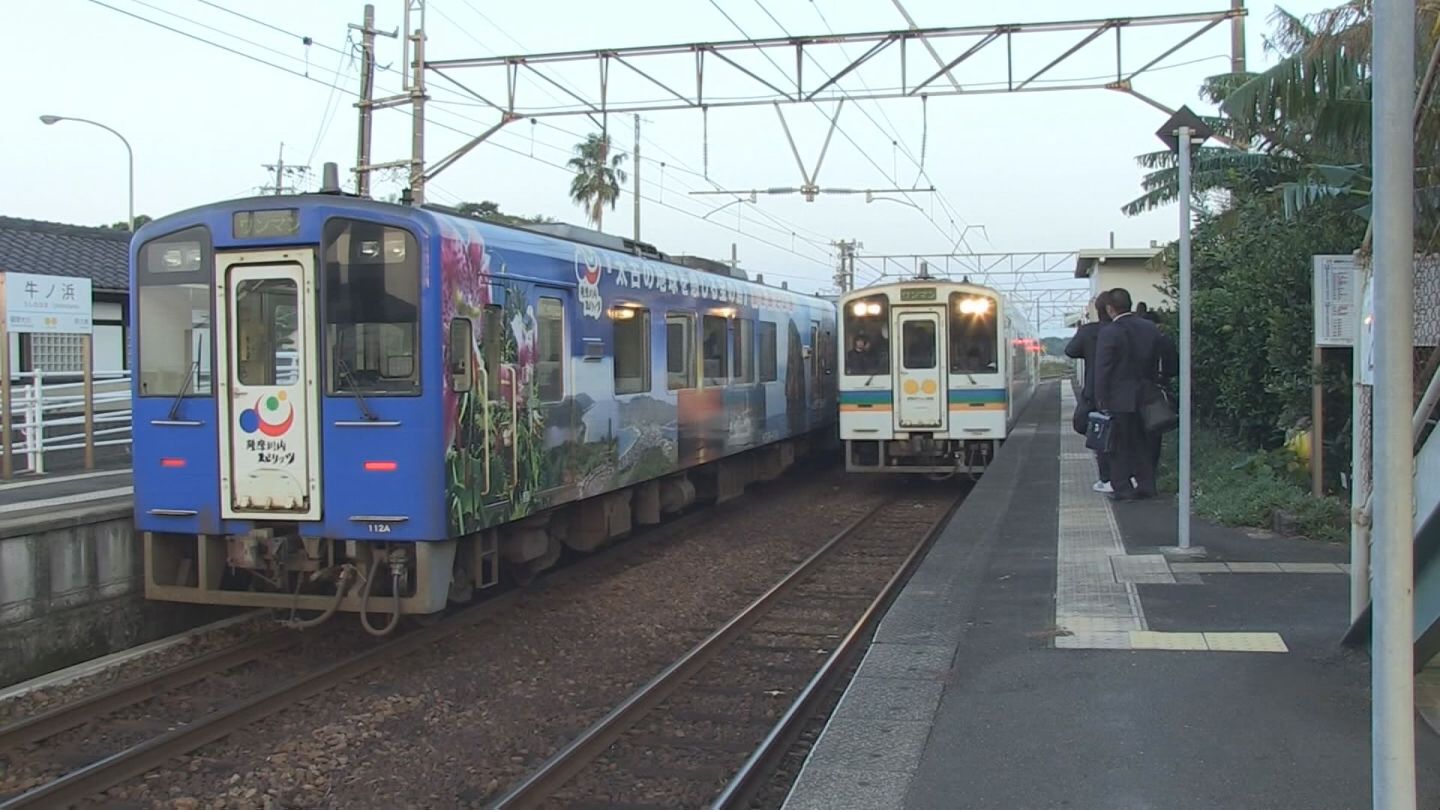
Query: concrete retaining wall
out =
(71, 589)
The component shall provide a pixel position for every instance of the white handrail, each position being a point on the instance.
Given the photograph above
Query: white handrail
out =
(49, 416)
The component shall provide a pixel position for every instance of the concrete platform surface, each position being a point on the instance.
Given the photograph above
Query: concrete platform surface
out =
(1048, 653)
(28, 496)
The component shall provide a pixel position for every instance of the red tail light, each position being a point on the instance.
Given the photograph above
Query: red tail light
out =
(380, 466)
(172, 462)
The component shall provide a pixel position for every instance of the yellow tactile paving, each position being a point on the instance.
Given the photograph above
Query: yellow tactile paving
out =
(1153, 640)
(1246, 642)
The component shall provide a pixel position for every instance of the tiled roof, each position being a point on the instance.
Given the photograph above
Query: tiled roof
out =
(55, 249)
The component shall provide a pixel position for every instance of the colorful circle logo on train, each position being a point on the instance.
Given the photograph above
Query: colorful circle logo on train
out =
(587, 272)
(253, 419)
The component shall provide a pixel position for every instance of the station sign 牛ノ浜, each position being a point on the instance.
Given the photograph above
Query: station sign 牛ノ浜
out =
(46, 304)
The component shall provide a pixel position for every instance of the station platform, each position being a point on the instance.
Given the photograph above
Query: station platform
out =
(27, 497)
(1051, 651)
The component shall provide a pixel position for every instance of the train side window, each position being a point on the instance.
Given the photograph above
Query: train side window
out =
(679, 350)
(713, 350)
(632, 350)
(492, 333)
(768, 349)
(814, 351)
(462, 355)
(744, 339)
(550, 350)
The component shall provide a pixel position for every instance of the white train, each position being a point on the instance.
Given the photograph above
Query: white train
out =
(933, 375)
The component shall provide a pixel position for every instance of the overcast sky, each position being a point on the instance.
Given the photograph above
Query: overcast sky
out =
(1039, 171)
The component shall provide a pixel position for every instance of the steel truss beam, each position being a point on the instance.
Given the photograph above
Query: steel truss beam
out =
(1042, 283)
(644, 61)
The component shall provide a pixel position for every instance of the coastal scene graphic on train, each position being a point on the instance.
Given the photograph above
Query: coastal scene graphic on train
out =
(520, 439)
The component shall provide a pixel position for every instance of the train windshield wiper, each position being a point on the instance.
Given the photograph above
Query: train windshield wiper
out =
(184, 389)
(365, 411)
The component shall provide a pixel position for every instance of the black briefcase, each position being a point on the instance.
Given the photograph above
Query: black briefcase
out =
(1100, 433)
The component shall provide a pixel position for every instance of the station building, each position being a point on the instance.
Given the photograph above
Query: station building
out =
(76, 251)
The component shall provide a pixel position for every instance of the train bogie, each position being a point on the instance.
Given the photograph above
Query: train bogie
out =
(933, 375)
(349, 406)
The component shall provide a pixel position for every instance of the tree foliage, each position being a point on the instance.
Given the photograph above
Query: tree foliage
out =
(140, 219)
(490, 211)
(598, 175)
(1251, 283)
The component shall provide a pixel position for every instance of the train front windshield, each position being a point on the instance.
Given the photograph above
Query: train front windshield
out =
(974, 334)
(372, 308)
(867, 339)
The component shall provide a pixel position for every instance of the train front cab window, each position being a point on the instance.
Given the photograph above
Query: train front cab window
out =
(174, 276)
(867, 340)
(974, 334)
(372, 309)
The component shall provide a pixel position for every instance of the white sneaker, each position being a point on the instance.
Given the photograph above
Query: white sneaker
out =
(1103, 486)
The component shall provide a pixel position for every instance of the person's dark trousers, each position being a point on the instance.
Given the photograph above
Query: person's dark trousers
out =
(1131, 458)
(1156, 441)
(1102, 461)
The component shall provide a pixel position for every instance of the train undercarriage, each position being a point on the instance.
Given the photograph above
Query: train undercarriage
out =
(311, 579)
(920, 453)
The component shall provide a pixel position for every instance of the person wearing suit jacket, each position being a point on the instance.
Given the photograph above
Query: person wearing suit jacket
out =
(1167, 369)
(1082, 347)
(1128, 352)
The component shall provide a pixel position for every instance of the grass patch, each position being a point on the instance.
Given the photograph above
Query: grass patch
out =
(1238, 487)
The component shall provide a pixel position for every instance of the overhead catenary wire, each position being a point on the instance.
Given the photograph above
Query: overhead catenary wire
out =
(843, 133)
(333, 84)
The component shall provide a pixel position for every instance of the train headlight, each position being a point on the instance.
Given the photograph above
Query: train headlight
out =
(863, 308)
(974, 306)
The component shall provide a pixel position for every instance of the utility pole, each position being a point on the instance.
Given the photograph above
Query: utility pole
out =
(367, 92)
(1392, 650)
(845, 275)
(1237, 38)
(417, 114)
(280, 170)
(636, 168)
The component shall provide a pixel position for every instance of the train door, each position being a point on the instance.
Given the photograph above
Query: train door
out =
(269, 461)
(919, 385)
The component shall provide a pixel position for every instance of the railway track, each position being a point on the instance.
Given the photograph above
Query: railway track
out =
(20, 739)
(708, 730)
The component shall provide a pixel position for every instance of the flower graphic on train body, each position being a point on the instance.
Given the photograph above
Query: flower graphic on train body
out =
(465, 292)
(523, 327)
(265, 415)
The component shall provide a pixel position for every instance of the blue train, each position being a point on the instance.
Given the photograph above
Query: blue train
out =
(346, 405)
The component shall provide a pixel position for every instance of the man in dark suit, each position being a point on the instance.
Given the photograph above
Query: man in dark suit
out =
(1082, 347)
(1128, 351)
(1168, 369)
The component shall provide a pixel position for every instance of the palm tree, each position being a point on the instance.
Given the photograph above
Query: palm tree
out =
(597, 176)
(1302, 127)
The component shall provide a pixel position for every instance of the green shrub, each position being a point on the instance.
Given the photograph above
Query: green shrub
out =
(1237, 488)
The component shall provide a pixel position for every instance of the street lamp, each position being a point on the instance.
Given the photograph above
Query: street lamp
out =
(52, 119)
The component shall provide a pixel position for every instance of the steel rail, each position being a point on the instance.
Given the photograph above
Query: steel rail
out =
(565, 764)
(61, 718)
(762, 762)
(104, 774)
